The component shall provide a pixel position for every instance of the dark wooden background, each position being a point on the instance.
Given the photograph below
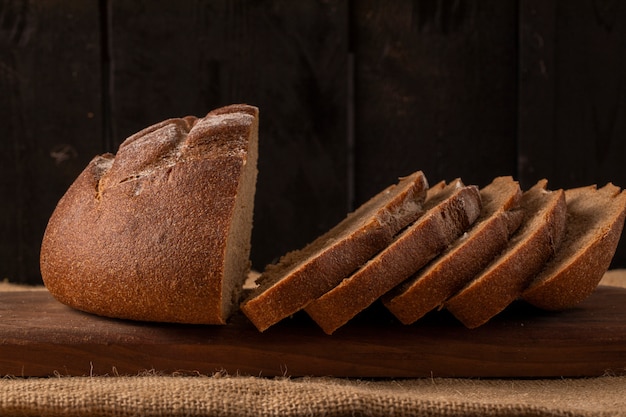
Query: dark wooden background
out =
(353, 94)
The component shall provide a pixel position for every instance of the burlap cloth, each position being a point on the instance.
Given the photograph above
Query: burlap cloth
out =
(251, 396)
(223, 395)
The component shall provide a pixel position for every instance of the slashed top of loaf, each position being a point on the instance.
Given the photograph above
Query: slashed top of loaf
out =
(171, 141)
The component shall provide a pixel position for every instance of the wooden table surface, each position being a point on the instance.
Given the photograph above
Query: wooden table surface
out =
(39, 336)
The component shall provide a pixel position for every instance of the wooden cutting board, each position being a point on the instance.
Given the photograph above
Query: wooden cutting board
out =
(39, 337)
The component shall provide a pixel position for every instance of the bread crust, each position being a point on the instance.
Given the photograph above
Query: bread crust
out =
(571, 277)
(448, 273)
(508, 275)
(447, 215)
(302, 276)
(143, 235)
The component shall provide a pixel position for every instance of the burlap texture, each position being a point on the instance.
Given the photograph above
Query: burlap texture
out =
(250, 396)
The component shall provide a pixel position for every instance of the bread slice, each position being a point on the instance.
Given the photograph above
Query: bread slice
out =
(469, 255)
(594, 226)
(160, 231)
(529, 249)
(301, 276)
(448, 213)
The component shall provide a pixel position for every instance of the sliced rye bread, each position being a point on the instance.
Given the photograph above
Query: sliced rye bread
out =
(595, 219)
(529, 249)
(449, 211)
(470, 254)
(301, 276)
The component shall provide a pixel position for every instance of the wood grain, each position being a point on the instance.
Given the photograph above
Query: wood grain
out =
(435, 89)
(572, 91)
(39, 336)
(49, 116)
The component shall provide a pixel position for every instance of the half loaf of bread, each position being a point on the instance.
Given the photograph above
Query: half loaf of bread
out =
(447, 274)
(303, 275)
(448, 212)
(595, 220)
(160, 231)
(509, 273)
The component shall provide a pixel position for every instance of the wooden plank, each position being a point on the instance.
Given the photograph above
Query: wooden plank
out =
(537, 90)
(40, 337)
(288, 58)
(572, 91)
(435, 89)
(51, 120)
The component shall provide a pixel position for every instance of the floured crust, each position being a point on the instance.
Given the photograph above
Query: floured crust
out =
(470, 254)
(595, 223)
(448, 213)
(144, 234)
(302, 276)
(529, 249)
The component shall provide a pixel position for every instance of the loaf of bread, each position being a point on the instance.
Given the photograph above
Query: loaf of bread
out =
(302, 276)
(594, 225)
(448, 212)
(504, 279)
(447, 274)
(161, 230)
